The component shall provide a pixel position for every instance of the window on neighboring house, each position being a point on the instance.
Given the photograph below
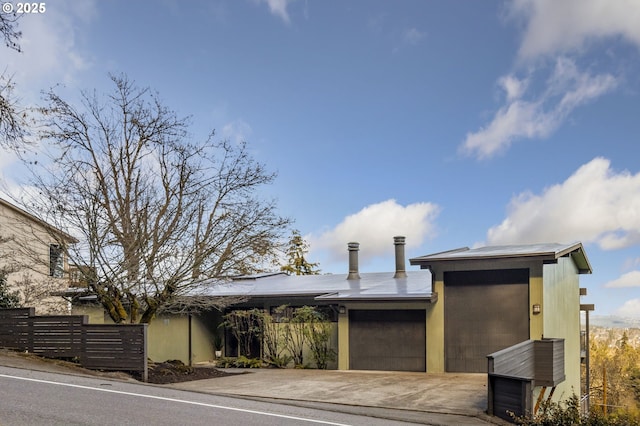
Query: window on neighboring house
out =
(80, 275)
(56, 261)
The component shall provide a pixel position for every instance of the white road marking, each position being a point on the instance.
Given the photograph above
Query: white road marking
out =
(222, 407)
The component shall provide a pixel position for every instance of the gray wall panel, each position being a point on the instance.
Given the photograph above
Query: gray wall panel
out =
(387, 340)
(485, 311)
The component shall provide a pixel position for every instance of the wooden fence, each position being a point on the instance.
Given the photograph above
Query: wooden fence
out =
(94, 346)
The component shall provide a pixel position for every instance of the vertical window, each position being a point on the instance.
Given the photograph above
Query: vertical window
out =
(56, 261)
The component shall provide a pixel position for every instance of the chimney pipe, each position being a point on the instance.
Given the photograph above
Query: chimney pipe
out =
(353, 261)
(398, 242)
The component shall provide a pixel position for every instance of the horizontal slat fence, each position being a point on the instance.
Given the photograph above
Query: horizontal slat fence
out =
(513, 372)
(14, 327)
(95, 346)
(114, 347)
(515, 361)
(56, 336)
(509, 395)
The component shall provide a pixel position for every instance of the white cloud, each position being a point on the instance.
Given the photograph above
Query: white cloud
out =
(7, 159)
(567, 89)
(556, 30)
(558, 27)
(50, 49)
(631, 263)
(576, 88)
(51, 54)
(237, 131)
(514, 88)
(518, 119)
(595, 204)
(279, 8)
(630, 279)
(375, 226)
(412, 36)
(630, 309)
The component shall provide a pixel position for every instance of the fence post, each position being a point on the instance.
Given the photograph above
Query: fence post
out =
(31, 334)
(145, 368)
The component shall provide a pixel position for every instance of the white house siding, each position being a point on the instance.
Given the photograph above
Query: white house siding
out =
(24, 250)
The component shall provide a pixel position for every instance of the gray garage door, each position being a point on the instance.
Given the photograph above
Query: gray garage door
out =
(387, 340)
(485, 311)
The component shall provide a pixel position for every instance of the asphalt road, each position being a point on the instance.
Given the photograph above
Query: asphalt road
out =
(44, 398)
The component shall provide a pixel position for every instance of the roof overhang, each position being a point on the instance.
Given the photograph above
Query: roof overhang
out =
(351, 297)
(548, 253)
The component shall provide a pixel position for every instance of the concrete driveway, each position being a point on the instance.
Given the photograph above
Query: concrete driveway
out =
(443, 398)
(432, 399)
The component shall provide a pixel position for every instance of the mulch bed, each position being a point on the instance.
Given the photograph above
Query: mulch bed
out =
(176, 372)
(158, 373)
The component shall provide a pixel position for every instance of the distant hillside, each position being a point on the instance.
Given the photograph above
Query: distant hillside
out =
(613, 322)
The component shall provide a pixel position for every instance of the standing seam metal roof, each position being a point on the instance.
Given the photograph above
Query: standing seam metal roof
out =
(370, 286)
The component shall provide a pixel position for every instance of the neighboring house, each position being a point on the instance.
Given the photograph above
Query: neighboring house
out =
(33, 257)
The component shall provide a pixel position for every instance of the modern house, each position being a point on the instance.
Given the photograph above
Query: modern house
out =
(494, 298)
(33, 258)
(380, 318)
(459, 307)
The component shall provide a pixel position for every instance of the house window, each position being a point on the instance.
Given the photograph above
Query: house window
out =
(280, 315)
(56, 261)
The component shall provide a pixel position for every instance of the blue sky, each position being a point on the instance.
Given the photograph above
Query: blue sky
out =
(453, 123)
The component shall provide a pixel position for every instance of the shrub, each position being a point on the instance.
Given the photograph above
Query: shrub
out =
(8, 299)
(239, 362)
(317, 333)
(246, 325)
(274, 340)
(279, 361)
(568, 414)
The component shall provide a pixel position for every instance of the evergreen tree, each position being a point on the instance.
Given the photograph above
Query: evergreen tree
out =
(296, 252)
(8, 299)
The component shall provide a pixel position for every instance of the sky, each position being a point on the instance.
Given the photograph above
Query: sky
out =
(455, 124)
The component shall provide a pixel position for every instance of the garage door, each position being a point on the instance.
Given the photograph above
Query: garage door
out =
(387, 340)
(485, 311)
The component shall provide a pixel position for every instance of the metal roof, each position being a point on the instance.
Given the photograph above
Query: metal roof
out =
(370, 286)
(547, 251)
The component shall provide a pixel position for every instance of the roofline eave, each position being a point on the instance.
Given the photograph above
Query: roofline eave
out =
(584, 267)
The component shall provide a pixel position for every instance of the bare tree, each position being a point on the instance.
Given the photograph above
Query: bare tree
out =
(12, 117)
(156, 214)
(9, 30)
